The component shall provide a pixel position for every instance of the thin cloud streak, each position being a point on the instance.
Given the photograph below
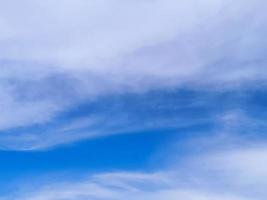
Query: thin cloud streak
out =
(225, 174)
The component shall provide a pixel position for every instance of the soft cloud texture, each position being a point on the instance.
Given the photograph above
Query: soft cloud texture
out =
(160, 111)
(57, 54)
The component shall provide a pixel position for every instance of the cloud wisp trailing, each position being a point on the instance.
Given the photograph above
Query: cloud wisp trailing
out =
(175, 111)
(57, 54)
(217, 174)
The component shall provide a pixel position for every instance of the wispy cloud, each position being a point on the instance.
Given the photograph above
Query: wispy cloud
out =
(229, 173)
(175, 111)
(55, 55)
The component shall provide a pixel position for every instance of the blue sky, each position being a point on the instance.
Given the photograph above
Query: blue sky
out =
(138, 100)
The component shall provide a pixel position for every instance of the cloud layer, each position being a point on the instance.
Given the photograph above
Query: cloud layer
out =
(54, 55)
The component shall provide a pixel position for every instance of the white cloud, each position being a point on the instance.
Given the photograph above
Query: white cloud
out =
(54, 54)
(126, 185)
(246, 166)
(81, 33)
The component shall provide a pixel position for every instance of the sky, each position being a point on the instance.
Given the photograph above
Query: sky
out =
(138, 100)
